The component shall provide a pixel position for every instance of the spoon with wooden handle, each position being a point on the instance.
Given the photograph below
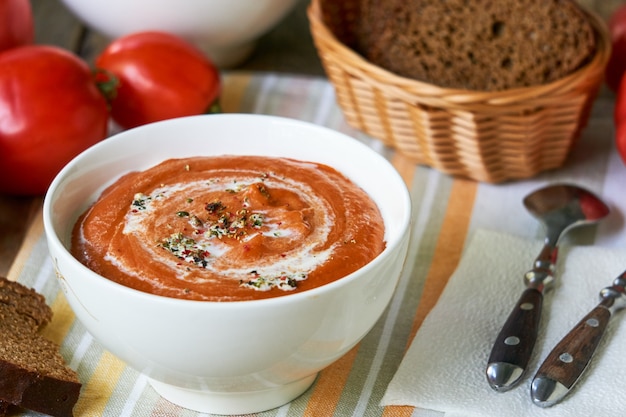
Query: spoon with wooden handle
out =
(559, 208)
(568, 360)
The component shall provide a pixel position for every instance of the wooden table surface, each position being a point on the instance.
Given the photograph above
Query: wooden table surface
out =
(288, 48)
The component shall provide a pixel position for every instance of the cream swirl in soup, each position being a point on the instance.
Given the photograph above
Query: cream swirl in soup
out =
(229, 228)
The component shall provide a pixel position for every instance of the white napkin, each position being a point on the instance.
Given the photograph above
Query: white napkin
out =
(444, 368)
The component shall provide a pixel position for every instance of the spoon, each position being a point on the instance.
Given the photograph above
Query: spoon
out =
(568, 360)
(559, 208)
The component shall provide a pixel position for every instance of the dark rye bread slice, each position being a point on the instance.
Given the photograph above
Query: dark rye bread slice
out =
(484, 45)
(33, 374)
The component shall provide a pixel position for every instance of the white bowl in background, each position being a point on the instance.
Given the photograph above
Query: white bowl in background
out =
(218, 357)
(226, 30)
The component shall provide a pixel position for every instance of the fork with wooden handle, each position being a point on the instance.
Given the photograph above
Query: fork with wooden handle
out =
(568, 360)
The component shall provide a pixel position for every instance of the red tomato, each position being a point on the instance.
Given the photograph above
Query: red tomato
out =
(619, 111)
(160, 75)
(50, 110)
(617, 63)
(16, 23)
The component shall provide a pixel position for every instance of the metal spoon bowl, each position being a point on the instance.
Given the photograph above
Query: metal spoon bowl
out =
(559, 208)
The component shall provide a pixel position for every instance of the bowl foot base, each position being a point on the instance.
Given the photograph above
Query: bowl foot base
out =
(214, 402)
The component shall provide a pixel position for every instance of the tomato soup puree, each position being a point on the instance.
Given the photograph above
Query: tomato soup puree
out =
(229, 228)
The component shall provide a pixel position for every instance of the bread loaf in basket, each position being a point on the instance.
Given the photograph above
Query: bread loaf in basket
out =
(491, 131)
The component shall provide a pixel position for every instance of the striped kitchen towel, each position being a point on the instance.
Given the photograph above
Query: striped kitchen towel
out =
(445, 212)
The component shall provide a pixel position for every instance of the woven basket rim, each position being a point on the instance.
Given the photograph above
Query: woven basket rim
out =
(463, 96)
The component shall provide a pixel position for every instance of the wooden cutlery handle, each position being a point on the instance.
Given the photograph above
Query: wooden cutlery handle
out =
(569, 358)
(514, 345)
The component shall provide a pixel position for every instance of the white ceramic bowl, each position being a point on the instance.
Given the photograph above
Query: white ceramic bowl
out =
(211, 356)
(226, 30)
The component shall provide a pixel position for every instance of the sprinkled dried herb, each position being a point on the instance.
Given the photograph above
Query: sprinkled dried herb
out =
(196, 222)
(234, 225)
(214, 207)
(186, 249)
(263, 191)
(140, 200)
(229, 224)
(284, 282)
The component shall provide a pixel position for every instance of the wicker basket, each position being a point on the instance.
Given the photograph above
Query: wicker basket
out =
(486, 136)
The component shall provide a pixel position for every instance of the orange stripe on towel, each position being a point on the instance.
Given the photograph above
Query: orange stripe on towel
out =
(329, 386)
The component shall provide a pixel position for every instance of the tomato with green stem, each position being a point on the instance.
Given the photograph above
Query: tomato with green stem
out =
(159, 76)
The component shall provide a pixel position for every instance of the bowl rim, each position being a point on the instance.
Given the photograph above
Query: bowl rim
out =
(52, 235)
